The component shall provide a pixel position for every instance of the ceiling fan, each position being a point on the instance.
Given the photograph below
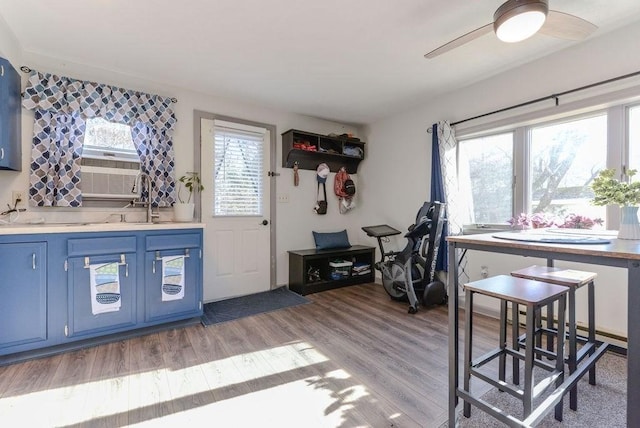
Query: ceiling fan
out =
(517, 20)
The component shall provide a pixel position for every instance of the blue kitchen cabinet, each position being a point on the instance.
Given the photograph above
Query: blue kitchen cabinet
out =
(46, 292)
(173, 277)
(10, 122)
(106, 302)
(23, 295)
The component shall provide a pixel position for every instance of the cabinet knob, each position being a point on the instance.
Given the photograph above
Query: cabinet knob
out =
(264, 222)
(1, 153)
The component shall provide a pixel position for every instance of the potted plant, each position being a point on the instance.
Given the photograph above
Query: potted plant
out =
(183, 208)
(626, 194)
(545, 220)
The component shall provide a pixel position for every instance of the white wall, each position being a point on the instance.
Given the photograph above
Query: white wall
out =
(294, 220)
(393, 181)
(398, 169)
(9, 45)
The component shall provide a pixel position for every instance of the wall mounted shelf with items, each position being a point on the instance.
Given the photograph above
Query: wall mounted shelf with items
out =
(309, 150)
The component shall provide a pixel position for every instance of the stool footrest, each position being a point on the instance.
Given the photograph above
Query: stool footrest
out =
(546, 383)
(537, 363)
(581, 354)
(489, 356)
(553, 332)
(501, 385)
(545, 406)
(584, 351)
(540, 351)
(496, 412)
(484, 359)
(540, 387)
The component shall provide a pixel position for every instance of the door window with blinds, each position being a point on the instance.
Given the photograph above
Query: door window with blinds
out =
(238, 176)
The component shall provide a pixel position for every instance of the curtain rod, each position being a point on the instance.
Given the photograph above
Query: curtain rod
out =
(555, 97)
(27, 70)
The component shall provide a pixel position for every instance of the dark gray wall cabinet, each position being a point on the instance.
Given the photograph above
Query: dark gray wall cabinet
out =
(10, 110)
(336, 152)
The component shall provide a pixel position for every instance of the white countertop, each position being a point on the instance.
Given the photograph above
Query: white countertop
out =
(22, 228)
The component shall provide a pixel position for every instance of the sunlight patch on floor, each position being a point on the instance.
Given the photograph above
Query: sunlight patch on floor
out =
(294, 404)
(116, 396)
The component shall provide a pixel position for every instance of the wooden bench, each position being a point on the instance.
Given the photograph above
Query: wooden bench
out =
(302, 262)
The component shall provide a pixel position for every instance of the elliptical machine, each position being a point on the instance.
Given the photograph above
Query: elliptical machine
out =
(410, 273)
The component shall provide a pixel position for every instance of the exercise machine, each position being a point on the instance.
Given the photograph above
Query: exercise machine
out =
(410, 273)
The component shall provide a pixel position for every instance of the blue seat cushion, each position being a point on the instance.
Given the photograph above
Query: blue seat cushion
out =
(328, 240)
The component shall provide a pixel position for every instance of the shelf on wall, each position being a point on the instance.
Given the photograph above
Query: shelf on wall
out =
(330, 150)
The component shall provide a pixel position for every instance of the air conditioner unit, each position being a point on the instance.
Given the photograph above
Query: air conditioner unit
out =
(100, 182)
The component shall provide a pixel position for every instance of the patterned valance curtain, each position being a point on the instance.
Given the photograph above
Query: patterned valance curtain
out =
(63, 104)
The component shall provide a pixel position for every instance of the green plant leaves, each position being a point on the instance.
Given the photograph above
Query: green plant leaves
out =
(191, 181)
(611, 191)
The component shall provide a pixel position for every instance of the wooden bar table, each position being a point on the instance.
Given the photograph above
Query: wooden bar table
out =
(613, 252)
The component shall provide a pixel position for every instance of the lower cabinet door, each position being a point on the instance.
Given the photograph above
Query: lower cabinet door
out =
(172, 289)
(102, 294)
(23, 295)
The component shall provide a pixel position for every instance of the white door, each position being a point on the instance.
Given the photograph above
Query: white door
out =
(235, 160)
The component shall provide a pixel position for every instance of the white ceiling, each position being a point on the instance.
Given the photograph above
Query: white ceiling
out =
(352, 61)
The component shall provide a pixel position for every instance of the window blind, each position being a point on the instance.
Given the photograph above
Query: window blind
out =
(238, 172)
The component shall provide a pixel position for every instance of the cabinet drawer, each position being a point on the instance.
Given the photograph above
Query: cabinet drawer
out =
(168, 242)
(96, 246)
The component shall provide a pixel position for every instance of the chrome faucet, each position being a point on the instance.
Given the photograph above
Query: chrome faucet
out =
(143, 178)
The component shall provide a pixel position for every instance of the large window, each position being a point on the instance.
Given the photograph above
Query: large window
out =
(486, 174)
(564, 158)
(545, 168)
(634, 138)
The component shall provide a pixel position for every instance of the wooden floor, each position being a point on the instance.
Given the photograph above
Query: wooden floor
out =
(350, 358)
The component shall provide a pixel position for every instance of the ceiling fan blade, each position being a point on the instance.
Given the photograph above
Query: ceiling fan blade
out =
(471, 35)
(565, 26)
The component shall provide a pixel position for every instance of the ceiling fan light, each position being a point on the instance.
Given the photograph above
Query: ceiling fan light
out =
(518, 20)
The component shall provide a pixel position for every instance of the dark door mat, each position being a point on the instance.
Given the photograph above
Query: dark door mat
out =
(253, 304)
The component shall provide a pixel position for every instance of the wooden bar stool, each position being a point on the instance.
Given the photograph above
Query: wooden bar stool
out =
(573, 279)
(533, 295)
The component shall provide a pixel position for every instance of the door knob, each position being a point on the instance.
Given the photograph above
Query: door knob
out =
(265, 222)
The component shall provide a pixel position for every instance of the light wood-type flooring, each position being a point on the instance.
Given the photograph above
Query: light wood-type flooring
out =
(350, 358)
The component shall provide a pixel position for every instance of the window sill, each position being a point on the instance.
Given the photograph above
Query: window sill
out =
(473, 229)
